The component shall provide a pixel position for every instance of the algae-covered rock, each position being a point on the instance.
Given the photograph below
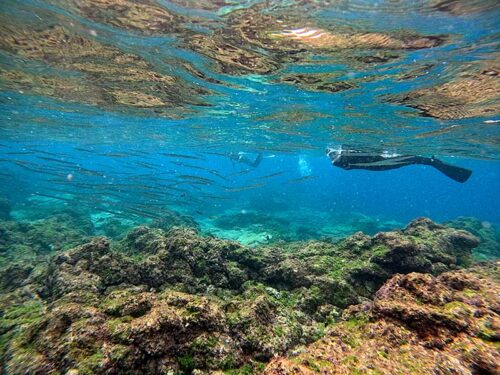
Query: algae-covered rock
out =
(114, 228)
(89, 268)
(178, 302)
(14, 275)
(52, 233)
(173, 219)
(144, 240)
(357, 266)
(417, 324)
(30, 240)
(488, 234)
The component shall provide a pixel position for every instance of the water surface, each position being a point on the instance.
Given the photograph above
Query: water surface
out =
(131, 110)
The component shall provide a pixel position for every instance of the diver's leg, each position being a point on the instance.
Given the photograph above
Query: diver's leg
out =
(257, 160)
(455, 173)
(386, 164)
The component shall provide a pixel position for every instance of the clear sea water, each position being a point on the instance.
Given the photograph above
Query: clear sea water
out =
(82, 129)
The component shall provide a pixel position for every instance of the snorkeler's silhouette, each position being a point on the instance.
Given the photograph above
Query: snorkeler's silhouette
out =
(245, 158)
(347, 158)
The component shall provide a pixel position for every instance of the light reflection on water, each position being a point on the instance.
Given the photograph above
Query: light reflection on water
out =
(103, 90)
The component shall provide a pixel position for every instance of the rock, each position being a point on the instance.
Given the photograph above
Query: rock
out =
(32, 241)
(174, 219)
(144, 240)
(14, 275)
(422, 246)
(160, 302)
(113, 228)
(417, 323)
(487, 233)
(54, 233)
(89, 268)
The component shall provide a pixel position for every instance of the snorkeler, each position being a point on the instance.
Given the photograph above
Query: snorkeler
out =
(245, 158)
(355, 159)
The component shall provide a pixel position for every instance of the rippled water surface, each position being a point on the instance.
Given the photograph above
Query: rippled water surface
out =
(130, 110)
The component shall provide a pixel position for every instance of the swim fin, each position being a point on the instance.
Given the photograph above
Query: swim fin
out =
(456, 173)
(257, 161)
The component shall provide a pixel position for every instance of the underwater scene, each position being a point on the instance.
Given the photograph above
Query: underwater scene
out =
(249, 187)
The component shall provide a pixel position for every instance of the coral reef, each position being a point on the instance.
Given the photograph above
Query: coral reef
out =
(20, 241)
(172, 219)
(176, 302)
(416, 324)
(488, 234)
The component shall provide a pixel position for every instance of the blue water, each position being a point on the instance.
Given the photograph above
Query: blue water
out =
(59, 147)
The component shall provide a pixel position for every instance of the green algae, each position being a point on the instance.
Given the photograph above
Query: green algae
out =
(489, 235)
(28, 241)
(469, 292)
(233, 305)
(90, 364)
(186, 363)
(18, 325)
(120, 328)
(119, 352)
(458, 310)
(28, 313)
(488, 333)
(380, 250)
(252, 368)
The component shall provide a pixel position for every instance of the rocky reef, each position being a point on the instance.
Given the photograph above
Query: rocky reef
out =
(487, 233)
(257, 227)
(174, 302)
(416, 324)
(27, 241)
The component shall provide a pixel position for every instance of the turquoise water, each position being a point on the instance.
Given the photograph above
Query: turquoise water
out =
(129, 112)
(198, 187)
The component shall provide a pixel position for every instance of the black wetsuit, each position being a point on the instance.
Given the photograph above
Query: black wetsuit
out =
(355, 159)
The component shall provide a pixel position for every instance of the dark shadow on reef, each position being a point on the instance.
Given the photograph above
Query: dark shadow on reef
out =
(171, 301)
